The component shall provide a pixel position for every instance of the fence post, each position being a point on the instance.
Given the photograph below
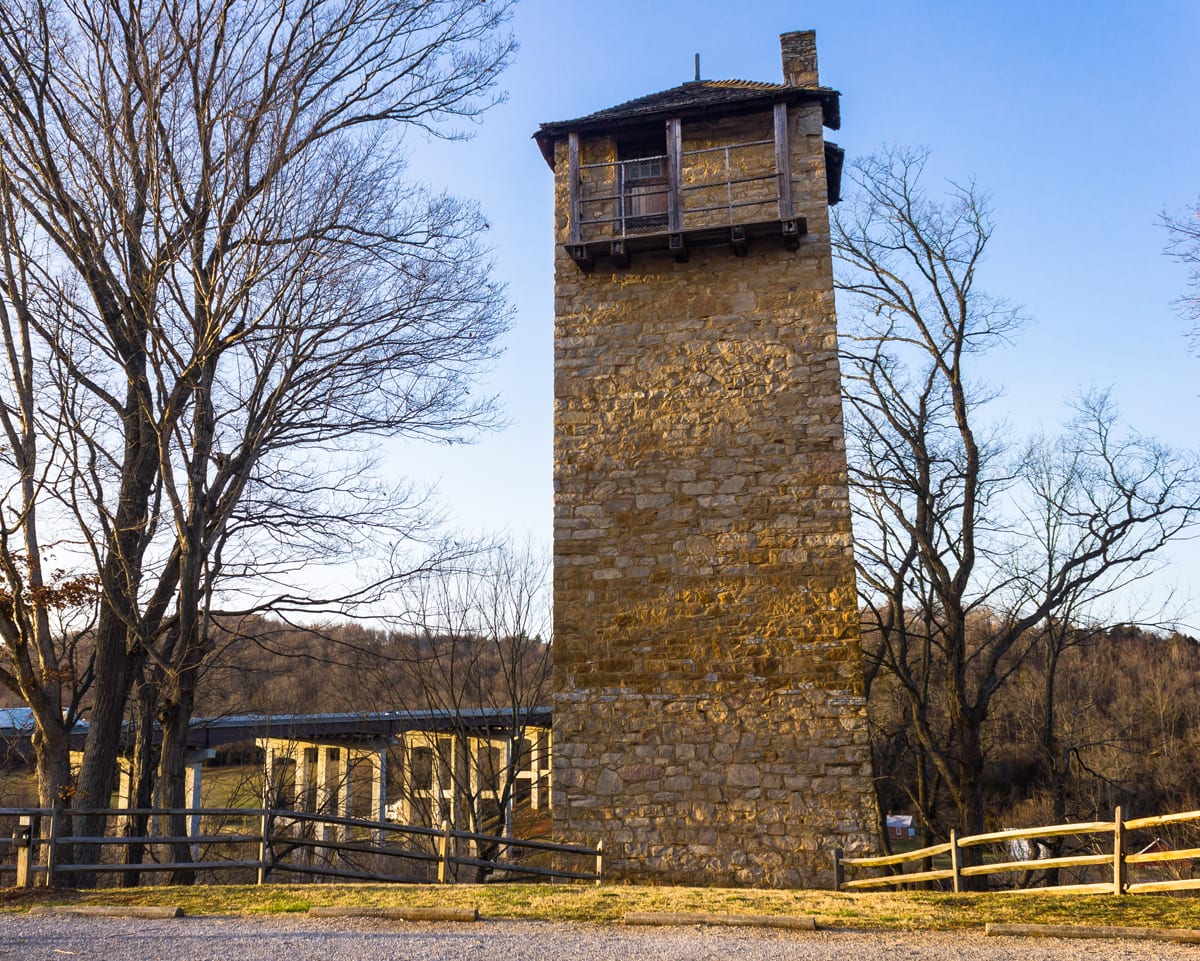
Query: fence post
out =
(264, 842)
(23, 842)
(600, 862)
(1118, 852)
(955, 863)
(52, 848)
(443, 852)
(839, 870)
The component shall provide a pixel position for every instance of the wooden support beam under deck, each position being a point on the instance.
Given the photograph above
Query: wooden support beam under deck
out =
(783, 162)
(574, 207)
(674, 176)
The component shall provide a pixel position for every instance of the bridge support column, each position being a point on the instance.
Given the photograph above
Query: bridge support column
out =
(191, 791)
(325, 789)
(345, 797)
(272, 774)
(193, 797)
(303, 780)
(378, 760)
(124, 782)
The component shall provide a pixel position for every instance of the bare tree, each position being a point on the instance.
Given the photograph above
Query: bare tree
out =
(1068, 482)
(1185, 247)
(957, 566)
(477, 643)
(232, 290)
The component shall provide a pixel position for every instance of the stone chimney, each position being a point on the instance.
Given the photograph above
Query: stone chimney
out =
(799, 51)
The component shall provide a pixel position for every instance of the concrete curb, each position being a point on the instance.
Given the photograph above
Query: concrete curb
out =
(107, 911)
(730, 920)
(1180, 935)
(398, 914)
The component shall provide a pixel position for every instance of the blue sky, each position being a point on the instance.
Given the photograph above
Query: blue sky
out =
(1079, 118)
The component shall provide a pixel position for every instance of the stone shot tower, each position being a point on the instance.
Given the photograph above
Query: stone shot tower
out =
(709, 723)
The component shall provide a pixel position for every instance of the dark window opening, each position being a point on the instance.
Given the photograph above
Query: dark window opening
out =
(445, 761)
(284, 788)
(492, 760)
(642, 183)
(421, 768)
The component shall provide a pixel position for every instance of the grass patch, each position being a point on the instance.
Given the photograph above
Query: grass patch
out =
(892, 911)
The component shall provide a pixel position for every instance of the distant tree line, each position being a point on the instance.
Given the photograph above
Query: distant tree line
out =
(270, 667)
(266, 666)
(1121, 728)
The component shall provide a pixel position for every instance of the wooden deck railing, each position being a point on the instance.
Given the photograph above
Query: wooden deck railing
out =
(1111, 864)
(256, 843)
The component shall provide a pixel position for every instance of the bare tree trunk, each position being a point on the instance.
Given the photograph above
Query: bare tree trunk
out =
(52, 760)
(1057, 769)
(101, 748)
(143, 760)
(120, 651)
(176, 715)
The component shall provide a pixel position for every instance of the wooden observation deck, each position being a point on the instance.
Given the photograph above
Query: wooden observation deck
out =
(662, 174)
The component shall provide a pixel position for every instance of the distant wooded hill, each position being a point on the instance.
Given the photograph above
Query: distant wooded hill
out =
(268, 666)
(1123, 728)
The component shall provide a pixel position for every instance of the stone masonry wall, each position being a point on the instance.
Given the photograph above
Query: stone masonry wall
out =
(709, 723)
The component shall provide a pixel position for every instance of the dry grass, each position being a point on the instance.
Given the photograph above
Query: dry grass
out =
(611, 902)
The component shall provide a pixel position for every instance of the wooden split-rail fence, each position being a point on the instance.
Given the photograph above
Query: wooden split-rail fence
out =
(248, 845)
(1109, 865)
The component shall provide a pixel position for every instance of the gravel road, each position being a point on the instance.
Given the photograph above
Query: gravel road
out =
(299, 938)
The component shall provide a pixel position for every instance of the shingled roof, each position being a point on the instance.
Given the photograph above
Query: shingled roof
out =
(709, 98)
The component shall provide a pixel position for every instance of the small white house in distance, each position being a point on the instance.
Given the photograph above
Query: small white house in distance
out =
(900, 826)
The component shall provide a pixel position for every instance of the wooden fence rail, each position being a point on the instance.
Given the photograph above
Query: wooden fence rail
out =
(1113, 863)
(268, 841)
